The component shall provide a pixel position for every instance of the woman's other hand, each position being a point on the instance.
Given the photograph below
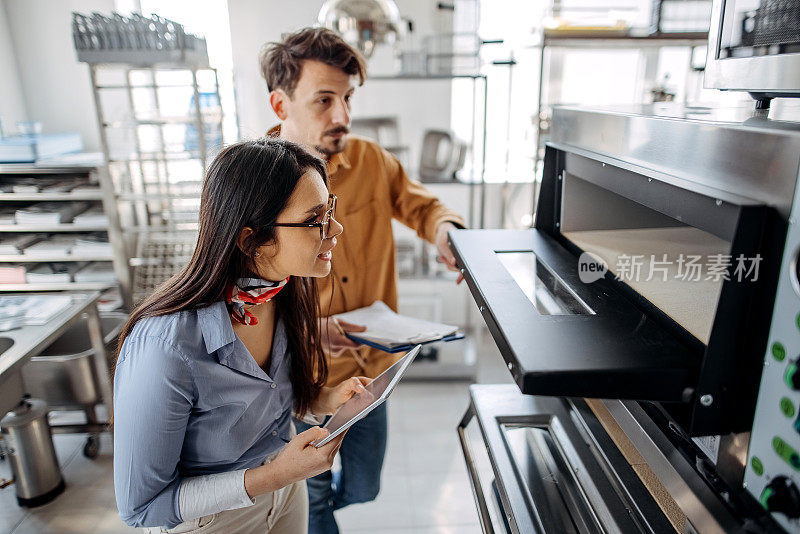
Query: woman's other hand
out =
(330, 399)
(298, 460)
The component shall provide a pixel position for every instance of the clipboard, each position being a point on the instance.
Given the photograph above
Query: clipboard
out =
(402, 348)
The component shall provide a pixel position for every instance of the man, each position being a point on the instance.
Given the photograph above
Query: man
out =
(311, 76)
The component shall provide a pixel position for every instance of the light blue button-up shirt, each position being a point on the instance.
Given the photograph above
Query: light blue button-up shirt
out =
(190, 400)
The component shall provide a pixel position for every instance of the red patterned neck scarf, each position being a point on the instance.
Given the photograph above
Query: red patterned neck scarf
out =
(250, 291)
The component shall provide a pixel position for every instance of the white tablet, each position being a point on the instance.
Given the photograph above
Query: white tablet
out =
(360, 404)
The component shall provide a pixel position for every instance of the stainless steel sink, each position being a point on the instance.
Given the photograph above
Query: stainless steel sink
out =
(5, 344)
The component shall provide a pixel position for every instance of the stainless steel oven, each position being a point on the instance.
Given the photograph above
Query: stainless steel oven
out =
(754, 45)
(636, 318)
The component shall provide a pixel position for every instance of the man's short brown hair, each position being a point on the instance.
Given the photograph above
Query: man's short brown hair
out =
(281, 63)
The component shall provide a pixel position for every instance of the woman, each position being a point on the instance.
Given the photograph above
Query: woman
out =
(213, 365)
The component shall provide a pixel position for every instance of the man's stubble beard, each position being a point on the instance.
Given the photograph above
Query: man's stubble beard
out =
(327, 152)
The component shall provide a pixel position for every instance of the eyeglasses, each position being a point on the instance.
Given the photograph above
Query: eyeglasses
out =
(324, 226)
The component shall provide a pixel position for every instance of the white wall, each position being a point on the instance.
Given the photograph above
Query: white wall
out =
(12, 103)
(253, 23)
(418, 105)
(56, 88)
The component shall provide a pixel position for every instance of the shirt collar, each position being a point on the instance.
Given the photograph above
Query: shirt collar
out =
(219, 337)
(216, 326)
(339, 159)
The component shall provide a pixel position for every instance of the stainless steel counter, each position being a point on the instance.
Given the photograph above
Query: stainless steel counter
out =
(18, 346)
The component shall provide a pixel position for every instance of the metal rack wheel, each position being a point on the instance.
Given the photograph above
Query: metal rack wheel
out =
(92, 447)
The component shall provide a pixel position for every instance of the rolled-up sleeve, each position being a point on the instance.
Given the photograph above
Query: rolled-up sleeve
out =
(153, 397)
(415, 206)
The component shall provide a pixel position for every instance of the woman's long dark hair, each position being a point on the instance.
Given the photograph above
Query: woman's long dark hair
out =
(248, 185)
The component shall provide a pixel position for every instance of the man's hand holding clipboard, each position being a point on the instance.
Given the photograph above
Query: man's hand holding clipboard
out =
(335, 340)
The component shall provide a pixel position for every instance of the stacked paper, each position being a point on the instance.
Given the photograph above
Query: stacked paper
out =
(95, 244)
(8, 215)
(27, 185)
(96, 272)
(63, 186)
(35, 309)
(52, 273)
(50, 213)
(92, 217)
(86, 187)
(12, 274)
(80, 159)
(38, 184)
(16, 244)
(390, 329)
(53, 245)
(29, 148)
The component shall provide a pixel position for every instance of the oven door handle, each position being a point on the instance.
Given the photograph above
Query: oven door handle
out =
(474, 479)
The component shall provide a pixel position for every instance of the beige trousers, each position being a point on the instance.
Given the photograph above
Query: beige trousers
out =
(284, 511)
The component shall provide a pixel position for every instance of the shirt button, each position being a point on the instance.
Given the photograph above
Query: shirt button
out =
(274, 385)
(344, 279)
(274, 432)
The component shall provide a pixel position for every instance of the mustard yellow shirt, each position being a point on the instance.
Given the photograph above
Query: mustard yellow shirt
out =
(373, 188)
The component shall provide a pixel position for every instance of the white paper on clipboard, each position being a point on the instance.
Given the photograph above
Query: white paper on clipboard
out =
(391, 329)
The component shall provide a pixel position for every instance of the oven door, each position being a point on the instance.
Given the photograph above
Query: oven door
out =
(563, 337)
(532, 470)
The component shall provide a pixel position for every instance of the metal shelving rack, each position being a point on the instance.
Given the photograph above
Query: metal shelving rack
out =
(594, 39)
(64, 227)
(94, 176)
(480, 86)
(571, 39)
(159, 115)
(157, 188)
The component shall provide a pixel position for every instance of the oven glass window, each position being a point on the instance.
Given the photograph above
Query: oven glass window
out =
(545, 290)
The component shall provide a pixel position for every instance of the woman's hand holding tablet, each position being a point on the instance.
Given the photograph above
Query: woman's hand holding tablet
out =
(360, 404)
(297, 461)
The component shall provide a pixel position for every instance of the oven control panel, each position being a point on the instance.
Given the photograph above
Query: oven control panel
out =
(772, 474)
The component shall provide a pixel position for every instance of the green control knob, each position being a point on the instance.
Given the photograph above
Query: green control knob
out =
(757, 465)
(781, 495)
(792, 376)
(786, 452)
(787, 407)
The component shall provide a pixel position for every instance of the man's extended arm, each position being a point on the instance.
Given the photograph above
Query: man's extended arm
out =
(418, 208)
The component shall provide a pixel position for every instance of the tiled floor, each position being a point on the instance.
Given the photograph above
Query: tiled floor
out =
(425, 489)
